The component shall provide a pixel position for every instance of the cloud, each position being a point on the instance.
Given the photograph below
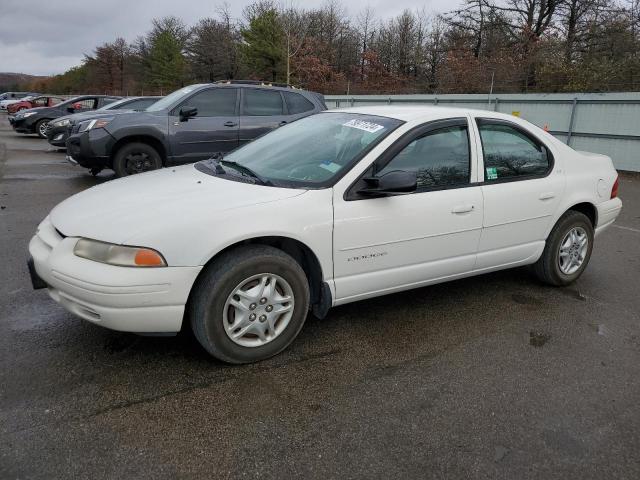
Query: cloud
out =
(43, 37)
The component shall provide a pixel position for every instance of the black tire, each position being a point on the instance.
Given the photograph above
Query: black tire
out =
(41, 126)
(218, 281)
(547, 268)
(136, 157)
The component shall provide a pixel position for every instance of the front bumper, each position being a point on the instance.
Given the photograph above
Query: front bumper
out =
(23, 125)
(57, 136)
(91, 149)
(130, 299)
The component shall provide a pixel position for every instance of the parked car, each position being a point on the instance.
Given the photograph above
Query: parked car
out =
(337, 207)
(35, 120)
(34, 101)
(7, 98)
(58, 130)
(190, 124)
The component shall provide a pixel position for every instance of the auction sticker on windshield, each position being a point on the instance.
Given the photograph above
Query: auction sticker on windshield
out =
(361, 125)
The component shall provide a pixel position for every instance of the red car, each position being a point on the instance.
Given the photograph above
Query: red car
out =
(33, 102)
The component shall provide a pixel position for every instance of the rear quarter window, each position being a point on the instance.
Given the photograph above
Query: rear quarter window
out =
(296, 103)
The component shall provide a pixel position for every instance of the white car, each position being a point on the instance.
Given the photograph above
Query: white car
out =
(337, 207)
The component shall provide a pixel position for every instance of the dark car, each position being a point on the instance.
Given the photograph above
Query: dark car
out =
(35, 120)
(190, 124)
(58, 130)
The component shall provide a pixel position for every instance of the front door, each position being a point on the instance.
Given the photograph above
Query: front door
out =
(392, 243)
(522, 189)
(213, 130)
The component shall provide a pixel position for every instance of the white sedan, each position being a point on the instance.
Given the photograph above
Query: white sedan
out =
(334, 208)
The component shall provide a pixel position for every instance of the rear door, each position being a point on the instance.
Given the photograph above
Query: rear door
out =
(262, 111)
(213, 130)
(522, 188)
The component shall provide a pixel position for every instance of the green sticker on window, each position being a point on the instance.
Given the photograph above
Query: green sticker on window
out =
(492, 173)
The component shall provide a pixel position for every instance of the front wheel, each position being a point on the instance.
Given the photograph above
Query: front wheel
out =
(250, 304)
(135, 158)
(41, 128)
(567, 251)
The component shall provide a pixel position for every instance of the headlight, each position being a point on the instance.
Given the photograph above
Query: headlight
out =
(118, 254)
(95, 123)
(61, 123)
(28, 114)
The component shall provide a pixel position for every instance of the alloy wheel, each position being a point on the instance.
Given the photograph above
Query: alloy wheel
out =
(573, 250)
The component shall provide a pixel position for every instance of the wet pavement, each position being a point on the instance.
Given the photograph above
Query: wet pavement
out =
(488, 377)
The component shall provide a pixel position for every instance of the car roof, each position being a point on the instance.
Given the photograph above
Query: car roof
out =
(424, 113)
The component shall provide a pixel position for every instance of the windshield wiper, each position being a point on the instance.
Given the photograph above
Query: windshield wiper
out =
(248, 171)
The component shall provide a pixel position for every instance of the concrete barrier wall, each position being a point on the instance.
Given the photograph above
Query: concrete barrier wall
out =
(607, 123)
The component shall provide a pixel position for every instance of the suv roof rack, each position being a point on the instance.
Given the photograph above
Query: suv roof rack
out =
(257, 82)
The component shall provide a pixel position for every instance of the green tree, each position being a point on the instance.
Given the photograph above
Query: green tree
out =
(167, 65)
(263, 48)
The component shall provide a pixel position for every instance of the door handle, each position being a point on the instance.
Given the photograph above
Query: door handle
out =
(284, 122)
(230, 124)
(547, 196)
(462, 209)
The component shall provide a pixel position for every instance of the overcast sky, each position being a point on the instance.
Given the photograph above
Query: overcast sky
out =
(45, 37)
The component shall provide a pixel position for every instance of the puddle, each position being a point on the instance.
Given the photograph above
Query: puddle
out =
(538, 339)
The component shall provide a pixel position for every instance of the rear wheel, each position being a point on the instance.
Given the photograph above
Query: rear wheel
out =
(41, 128)
(136, 157)
(249, 304)
(567, 251)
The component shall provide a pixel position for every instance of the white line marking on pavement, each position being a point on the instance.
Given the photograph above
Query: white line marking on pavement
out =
(627, 228)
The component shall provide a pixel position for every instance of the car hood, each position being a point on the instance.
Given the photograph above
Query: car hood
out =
(156, 203)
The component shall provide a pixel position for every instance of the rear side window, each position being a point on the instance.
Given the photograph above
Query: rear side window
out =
(439, 158)
(296, 103)
(261, 102)
(214, 102)
(510, 153)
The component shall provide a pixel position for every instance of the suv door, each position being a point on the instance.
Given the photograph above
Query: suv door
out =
(213, 130)
(390, 243)
(262, 111)
(522, 189)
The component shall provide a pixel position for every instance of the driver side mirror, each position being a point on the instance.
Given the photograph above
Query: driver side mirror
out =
(396, 182)
(187, 112)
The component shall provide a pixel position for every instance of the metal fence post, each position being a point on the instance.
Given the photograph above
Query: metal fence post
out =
(572, 120)
(495, 105)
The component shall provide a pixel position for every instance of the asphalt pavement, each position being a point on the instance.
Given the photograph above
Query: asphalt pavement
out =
(492, 377)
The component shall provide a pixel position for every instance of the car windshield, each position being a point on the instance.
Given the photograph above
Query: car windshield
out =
(168, 101)
(310, 152)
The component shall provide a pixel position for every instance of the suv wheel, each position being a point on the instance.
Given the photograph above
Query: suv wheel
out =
(135, 158)
(249, 304)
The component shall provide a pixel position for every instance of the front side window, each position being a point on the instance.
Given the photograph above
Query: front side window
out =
(214, 102)
(439, 158)
(312, 152)
(39, 102)
(258, 102)
(509, 153)
(87, 104)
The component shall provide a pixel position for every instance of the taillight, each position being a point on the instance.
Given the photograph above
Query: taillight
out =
(614, 189)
